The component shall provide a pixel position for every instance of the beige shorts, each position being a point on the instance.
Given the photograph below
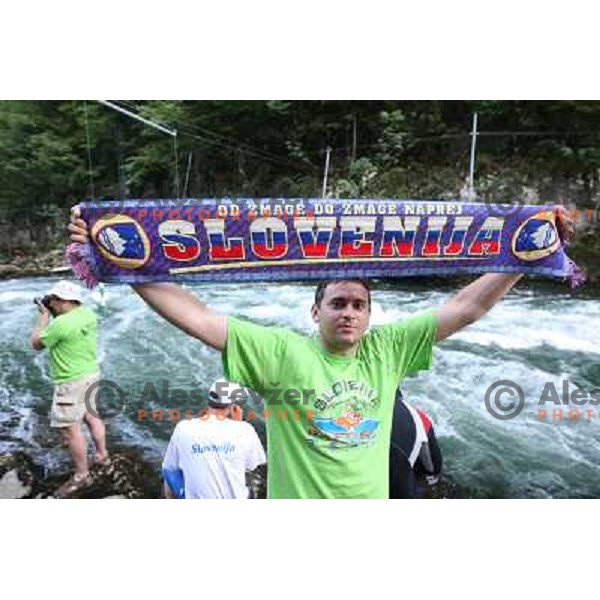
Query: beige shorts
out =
(69, 404)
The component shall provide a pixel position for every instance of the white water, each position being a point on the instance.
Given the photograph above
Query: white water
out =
(536, 335)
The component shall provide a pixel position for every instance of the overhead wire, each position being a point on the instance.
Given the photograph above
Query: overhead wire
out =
(217, 139)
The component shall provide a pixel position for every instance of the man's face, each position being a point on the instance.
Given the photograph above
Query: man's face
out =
(57, 305)
(343, 316)
(60, 306)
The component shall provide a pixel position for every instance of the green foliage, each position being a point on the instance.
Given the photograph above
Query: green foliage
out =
(393, 138)
(361, 182)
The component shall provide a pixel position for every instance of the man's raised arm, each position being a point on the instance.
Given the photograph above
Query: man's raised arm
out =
(177, 306)
(185, 311)
(472, 302)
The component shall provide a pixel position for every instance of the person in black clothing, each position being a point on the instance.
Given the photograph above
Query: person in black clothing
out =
(415, 455)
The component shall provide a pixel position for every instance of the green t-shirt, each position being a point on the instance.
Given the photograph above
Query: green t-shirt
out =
(329, 429)
(71, 341)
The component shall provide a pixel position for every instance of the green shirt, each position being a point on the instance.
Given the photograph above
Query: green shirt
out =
(71, 341)
(328, 431)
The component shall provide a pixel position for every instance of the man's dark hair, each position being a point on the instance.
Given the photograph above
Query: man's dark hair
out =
(322, 286)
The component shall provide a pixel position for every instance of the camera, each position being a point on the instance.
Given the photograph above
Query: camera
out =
(44, 301)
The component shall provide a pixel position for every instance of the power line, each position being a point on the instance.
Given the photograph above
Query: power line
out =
(450, 136)
(233, 143)
(171, 132)
(256, 153)
(217, 139)
(237, 143)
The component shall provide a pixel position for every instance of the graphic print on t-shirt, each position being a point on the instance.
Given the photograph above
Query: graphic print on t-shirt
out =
(345, 416)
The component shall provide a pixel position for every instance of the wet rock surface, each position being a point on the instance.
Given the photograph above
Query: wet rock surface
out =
(34, 264)
(127, 476)
(130, 476)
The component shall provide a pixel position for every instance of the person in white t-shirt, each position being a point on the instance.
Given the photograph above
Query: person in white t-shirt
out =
(208, 457)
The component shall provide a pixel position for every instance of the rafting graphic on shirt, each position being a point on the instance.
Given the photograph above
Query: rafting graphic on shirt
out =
(345, 416)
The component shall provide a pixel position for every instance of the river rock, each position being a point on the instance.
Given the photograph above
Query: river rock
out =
(18, 475)
(10, 271)
(127, 476)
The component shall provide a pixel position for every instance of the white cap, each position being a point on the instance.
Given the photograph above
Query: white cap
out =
(66, 290)
(226, 393)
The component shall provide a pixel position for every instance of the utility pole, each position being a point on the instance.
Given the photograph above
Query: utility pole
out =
(353, 138)
(187, 176)
(472, 161)
(176, 160)
(326, 171)
(89, 149)
(120, 165)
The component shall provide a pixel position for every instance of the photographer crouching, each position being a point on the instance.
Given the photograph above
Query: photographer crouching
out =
(70, 338)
